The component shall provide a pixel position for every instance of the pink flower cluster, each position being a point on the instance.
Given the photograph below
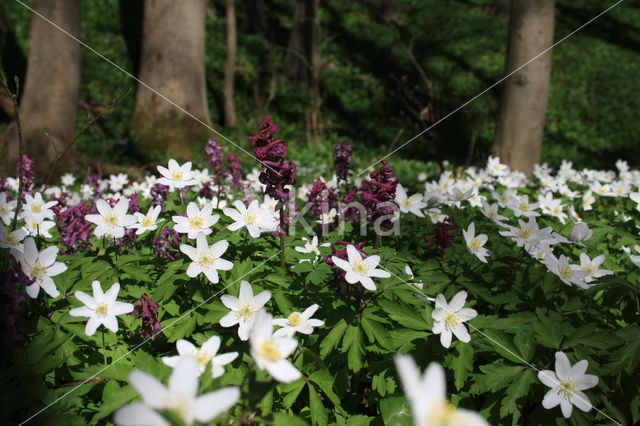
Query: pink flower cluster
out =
(379, 192)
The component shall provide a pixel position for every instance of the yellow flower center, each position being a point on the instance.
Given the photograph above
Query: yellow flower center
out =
(4, 209)
(407, 203)
(566, 272)
(102, 309)
(590, 269)
(147, 221)
(452, 319)
(295, 319)
(181, 405)
(202, 356)
(269, 350)
(196, 222)
(526, 233)
(524, 206)
(12, 240)
(38, 270)
(246, 311)
(474, 244)
(250, 218)
(111, 219)
(361, 267)
(36, 207)
(557, 210)
(206, 260)
(177, 175)
(567, 388)
(442, 413)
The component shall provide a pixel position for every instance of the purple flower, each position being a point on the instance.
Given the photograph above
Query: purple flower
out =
(75, 231)
(342, 158)
(272, 152)
(27, 177)
(158, 194)
(167, 239)
(213, 154)
(235, 168)
(147, 310)
(318, 197)
(379, 192)
(350, 214)
(442, 239)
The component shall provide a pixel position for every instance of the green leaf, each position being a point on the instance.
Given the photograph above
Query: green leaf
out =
(352, 344)
(462, 364)
(518, 388)
(496, 376)
(396, 411)
(404, 315)
(292, 390)
(120, 398)
(330, 342)
(318, 413)
(288, 420)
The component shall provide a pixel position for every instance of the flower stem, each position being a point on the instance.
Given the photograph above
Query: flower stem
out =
(283, 262)
(104, 349)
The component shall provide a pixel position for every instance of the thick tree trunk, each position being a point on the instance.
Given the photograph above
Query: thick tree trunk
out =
(172, 63)
(50, 95)
(230, 65)
(523, 107)
(314, 123)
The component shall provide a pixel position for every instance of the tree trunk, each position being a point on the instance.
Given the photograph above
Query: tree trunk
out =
(229, 68)
(50, 93)
(523, 107)
(314, 123)
(172, 63)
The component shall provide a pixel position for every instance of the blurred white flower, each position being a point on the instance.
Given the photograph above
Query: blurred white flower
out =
(407, 204)
(270, 352)
(180, 397)
(7, 208)
(205, 355)
(427, 396)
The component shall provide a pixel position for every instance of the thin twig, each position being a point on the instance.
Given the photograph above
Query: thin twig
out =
(16, 108)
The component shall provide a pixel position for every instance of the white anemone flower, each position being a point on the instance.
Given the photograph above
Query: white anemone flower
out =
(101, 309)
(7, 208)
(569, 274)
(177, 176)
(34, 229)
(311, 247)
(12, 240)
(413, 204)
(450, 317)
(197, 220)
(40, 266)
(427, 396)
(270, 352)
(36, 208)
(633, 257)
(592, 267)
(567, 384)
(68, 179)
(243, 309)
(206, 258)
(180, 397)
(359, 270)
(147, 222)
(256, 219)
(580, 233)
(204, 355)
(475, 243)
(298, 322)
(111, 221)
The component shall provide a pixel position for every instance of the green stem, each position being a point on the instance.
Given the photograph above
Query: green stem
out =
(104, 348)
(283, 261)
